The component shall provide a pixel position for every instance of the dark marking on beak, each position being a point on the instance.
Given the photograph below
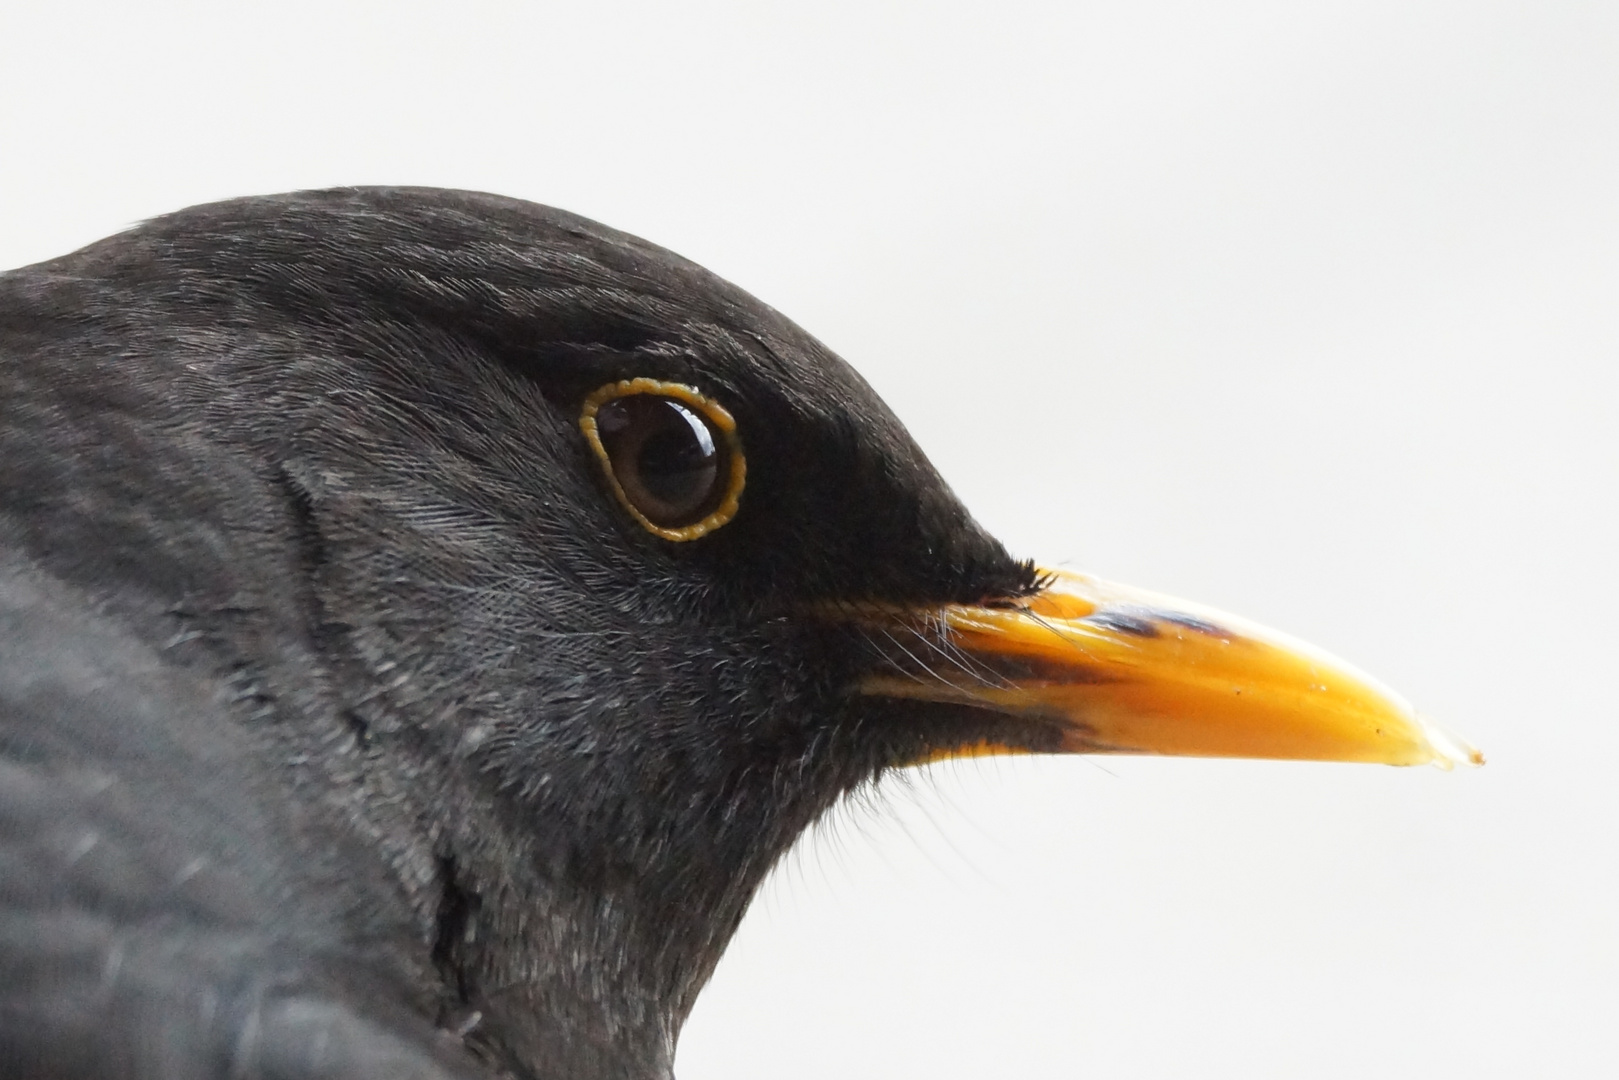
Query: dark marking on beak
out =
(1191, 623)
(1126, 622)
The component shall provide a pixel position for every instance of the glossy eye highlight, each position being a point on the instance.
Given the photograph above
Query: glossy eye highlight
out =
(671, 455)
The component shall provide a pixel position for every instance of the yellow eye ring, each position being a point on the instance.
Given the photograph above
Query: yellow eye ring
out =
(670, 454)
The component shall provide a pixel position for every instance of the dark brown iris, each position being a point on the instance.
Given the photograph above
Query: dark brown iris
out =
(666, 457)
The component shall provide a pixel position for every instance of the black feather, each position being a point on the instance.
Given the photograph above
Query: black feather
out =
(349, 727)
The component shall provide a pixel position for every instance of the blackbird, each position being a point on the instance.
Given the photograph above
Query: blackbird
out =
(425, 617)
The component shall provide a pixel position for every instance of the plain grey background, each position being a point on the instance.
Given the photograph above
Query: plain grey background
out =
(1303, 310)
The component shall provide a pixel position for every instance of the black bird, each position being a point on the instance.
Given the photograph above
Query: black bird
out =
(426, 616)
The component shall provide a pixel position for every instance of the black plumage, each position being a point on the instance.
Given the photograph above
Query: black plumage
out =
(349, 727)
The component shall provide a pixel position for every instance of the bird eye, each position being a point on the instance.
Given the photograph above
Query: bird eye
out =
(671, 455)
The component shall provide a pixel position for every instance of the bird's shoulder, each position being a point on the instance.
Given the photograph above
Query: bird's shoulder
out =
(144, 894)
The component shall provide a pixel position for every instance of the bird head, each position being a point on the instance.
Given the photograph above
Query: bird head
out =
(616, 580)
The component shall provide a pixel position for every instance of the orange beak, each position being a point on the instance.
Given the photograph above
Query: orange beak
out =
(1119, 670)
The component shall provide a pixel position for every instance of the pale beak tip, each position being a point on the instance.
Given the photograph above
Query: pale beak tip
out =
(1449, 749)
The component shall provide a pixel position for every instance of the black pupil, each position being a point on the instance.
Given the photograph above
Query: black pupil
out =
(664, 456)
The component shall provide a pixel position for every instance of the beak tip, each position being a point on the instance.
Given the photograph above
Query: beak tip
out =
(1448, 749)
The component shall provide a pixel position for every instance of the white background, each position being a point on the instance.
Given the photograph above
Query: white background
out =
(1307, 310)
